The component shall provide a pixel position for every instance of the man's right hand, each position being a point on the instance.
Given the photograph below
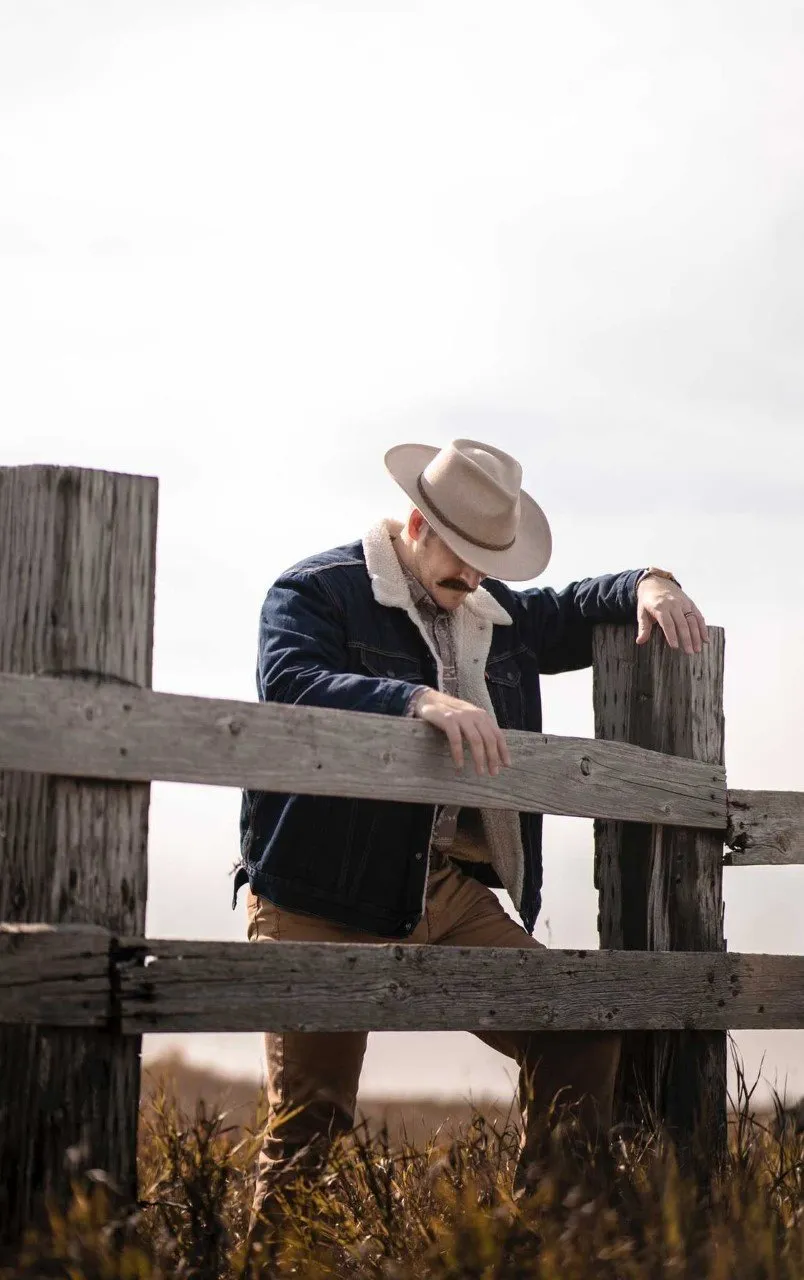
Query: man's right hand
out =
(465, 725)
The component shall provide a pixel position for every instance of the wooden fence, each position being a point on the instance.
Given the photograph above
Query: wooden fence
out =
(82, 735)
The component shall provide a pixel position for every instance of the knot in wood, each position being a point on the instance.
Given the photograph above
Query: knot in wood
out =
(586, 766)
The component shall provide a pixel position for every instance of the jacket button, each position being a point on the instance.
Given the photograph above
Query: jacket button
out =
(408, 926)
(419, 857)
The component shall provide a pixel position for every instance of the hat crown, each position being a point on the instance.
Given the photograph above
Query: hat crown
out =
(474, 488)
(471, 494)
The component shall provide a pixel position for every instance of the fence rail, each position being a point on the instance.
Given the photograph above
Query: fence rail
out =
(77, 978)
(80, 729)
(765, 827)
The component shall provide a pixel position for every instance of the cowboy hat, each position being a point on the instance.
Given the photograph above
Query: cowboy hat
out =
(471, 494)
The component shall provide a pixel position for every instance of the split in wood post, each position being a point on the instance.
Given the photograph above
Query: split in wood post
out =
(77, 561)
(661, 887)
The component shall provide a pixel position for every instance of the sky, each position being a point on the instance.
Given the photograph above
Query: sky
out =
(247, 247)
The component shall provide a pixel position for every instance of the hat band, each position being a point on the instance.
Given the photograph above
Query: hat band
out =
(484, 546)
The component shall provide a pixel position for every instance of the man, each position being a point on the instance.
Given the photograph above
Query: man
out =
(399, 624)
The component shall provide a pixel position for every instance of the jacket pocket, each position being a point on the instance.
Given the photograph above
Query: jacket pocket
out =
(392, 666)
(504, 679)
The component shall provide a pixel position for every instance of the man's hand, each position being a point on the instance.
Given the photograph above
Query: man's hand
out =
(659, 600)
(464, 723)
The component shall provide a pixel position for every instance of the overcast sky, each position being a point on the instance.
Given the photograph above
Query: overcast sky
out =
(246, 247)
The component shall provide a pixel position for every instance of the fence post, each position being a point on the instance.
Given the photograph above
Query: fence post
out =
(661, 887)
(77, 564)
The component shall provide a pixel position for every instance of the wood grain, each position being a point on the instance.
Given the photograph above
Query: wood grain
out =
(77, 561)
(54, 976)
(124, 734)
(661, 887)
(765, 827)
(234, 986)
(298, 986)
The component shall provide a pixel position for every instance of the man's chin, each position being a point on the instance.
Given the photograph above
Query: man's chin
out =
(450, 598)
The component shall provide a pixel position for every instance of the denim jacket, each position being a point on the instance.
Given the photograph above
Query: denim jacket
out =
(339, 630)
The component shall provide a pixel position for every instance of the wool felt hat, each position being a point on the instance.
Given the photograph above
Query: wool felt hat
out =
(471, 494)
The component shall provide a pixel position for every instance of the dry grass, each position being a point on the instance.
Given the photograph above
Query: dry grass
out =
(442, 1208)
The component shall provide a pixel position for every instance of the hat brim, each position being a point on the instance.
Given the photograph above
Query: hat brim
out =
(531, 551)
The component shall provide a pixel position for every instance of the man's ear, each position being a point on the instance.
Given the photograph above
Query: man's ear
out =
(416, 524)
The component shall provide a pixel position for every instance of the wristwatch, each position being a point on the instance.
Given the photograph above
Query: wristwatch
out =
(653, 572)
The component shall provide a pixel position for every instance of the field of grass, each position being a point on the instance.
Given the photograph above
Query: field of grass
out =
(392, 1206)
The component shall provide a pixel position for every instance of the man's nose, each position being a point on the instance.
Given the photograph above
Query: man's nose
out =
(472, 577)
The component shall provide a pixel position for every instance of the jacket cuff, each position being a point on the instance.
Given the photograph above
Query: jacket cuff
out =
(632, 581)
(414, 699)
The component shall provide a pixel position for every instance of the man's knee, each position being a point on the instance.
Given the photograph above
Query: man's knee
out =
(572, 1068)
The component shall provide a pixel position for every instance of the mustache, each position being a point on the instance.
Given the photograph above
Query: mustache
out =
(455, 584)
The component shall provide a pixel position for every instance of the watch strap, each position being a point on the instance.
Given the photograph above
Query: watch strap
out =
(653, 571)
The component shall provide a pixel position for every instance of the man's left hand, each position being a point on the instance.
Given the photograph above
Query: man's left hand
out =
(659, 600)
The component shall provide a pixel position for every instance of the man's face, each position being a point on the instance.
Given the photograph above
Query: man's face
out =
(447, 578)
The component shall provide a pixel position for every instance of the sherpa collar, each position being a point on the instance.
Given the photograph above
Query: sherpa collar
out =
(388, 581)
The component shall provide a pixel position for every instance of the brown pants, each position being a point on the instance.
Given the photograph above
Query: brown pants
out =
(315, 1074)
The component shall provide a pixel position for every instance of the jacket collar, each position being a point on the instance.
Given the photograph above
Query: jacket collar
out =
(390, 588)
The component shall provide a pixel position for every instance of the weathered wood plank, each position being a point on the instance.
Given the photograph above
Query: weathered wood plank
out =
(77, 564)
(54, 976)
(62, 976)
(661, 887)
(75, 727)
(765, 827)
(242, 986)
